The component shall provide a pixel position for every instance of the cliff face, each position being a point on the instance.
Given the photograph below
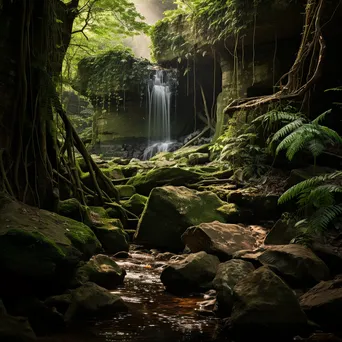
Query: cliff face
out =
(251, 57)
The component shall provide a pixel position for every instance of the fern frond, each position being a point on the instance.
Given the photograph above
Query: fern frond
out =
(297, 189)
(321, 117)
(286, 130)
(323, 216)
(331, 134)
(286, 142)
(316, 147)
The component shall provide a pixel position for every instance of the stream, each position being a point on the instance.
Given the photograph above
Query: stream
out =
(154, 314)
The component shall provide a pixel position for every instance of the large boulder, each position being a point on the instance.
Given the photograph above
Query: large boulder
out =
(228, 275)
(323, 303)
(194, 273)
(296, 264)
(91, 300)
(265, 307)
(113, 239)
(101, 270)
(40, 249)
(73, 209)
(170, 211)
(219, 238)
(144, 183)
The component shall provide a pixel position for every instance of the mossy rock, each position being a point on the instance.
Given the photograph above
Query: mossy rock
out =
(101, 270)
(135, 204)
(40, 249)
(198, 158)
(113, 172)
(125, 191)
(129, 170)
(164, 176)
(231, 212)
(88, 182)
(170, 210)
(73, 209)
(186, 151)
(113, 239)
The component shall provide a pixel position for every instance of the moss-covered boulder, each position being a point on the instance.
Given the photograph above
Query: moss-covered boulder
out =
(113, 239)
(40, 249)
(73, 209)
(170, 210)
(135, 204)
(144, 183)
(101, 270)
(125, 191)
(198, 158)
(194, 273)
(91, 300)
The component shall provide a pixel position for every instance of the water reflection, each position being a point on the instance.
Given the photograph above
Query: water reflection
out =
(154, 316)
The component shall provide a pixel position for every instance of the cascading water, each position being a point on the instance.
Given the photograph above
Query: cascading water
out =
(159, 114)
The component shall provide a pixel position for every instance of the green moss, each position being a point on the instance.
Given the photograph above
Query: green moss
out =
(170, 210)
(29, 253)
(100, 212)
(83, 238)
(113, 172)
(113, 239)
(231, 212)
(73, 209)
(125, 191)
(162, 176)
(135, 204)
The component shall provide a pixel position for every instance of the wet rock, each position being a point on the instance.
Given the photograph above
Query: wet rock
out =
(296, 264)
(228, 275)
(91, 300)
(162, 176)
(40, 249)
(125, 191)
(206, 308)
(170, 211)
(164, 256)
(60, 303)
(323, 303)
(135, 204)
(43, 319)
(122, 255)
(194, 273)
(250, 256)
(198, 158)
(282, 232)
(101, 270)
(218, 238)
(262, 299)
(113, 239)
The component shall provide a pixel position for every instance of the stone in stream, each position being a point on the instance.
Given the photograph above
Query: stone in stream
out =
(265, 307)
(228, 275)
(323, 304)
(101, 270)
(296, 264)
(40, 249)
(14, 329)
(170, 211)
(113, 239)
(194, 273)
(219, 239)
(91, 300)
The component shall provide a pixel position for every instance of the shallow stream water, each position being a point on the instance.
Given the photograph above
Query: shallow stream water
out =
(154, 315)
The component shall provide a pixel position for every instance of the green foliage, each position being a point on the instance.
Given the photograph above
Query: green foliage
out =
(242, 152)
(318, 199)
(112, 72)
(211, 20)
(99, 25)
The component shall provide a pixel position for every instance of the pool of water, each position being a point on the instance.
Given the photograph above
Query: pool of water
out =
(154, 314)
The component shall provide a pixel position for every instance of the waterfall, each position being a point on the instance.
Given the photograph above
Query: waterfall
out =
(159, 112)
